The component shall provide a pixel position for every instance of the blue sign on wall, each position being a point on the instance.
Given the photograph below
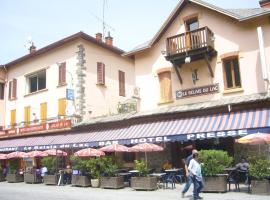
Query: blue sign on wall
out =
(70, 94)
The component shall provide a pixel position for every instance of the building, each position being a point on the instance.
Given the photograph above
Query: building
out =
(2, 91)
(202, 80)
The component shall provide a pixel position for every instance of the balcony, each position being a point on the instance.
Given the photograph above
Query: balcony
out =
(195, 44)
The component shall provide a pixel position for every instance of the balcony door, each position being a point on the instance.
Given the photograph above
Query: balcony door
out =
(192, 36)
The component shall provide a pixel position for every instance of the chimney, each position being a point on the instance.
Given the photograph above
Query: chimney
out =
(264, 3)
(99, 37)
(32, 49)
(109, 40)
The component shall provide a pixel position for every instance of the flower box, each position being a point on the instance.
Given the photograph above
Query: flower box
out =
(78, 180)
(2, 177)
(51, 179)
(144, 183)
(32, 178)
(215, 183)
(260, 187)
(14, 178)
(112, 182)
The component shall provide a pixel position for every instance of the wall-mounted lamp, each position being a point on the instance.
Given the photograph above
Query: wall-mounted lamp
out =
(164, 52)
(187, 59)
(229, 108)
(194, 76)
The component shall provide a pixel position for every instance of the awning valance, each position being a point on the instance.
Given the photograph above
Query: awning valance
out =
(202, 127)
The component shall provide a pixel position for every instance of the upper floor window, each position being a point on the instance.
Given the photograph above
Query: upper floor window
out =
(62, 74)
(165, 85)
(100, 73)
(121, 76)
(2, 90)
(232, 77)
(192, 24)
(12, 89)
(36, 81)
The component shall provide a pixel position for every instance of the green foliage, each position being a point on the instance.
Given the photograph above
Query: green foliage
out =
(13, 166)
(260, 169)
(140, 165)
(93, 167)
(214, 161)
(78, 163)
(109, 167)
(50, 163)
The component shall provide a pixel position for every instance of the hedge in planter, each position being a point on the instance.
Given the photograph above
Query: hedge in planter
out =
(51, 178)
(13, 176)
(214, 163)
(79, 180)
(143, 182)
(259, 170)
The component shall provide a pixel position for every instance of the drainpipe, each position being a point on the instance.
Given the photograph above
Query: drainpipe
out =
(262, 54)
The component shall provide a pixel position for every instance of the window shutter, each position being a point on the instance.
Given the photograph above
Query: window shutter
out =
(13, 118)
(62, 73)
(121, 76)
(100, 73)
(165, 87)
(27, 115)
(14, 88)
(9, 89)
(2, 90)
(43, 112)
(62, 107)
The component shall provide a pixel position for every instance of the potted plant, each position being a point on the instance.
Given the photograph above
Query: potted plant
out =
(13, 175)
(32, 177)
(110, 178)
(213, 164)
(93, 167)
(82, 178)
(259, 171)
(142, 181)
(51, 178)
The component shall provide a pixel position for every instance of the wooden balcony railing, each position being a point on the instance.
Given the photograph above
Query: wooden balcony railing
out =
(188, 41)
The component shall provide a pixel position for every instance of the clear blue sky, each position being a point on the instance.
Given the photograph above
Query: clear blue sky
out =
(47, 21)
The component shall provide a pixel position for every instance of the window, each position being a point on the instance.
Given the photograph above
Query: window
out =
(37, 81)
(27, 115)
(192, 38)
(12, 118)
(62, 107)
(100, 73)
(232, 78)
(43, 112)
(12, 89)
(62, 74)
(165, 85)
(2, 90)
(121, 76)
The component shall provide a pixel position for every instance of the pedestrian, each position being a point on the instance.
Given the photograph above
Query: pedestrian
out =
(188, 175)
(196, 173)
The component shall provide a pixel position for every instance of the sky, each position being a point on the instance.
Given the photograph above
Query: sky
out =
(130, 22)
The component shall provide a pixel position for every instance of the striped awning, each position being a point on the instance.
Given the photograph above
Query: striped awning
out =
(183, 129)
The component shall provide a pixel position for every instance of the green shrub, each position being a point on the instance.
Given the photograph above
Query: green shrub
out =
(140, 165)
(13, 166)
(50, 163)
(214, 161)
(260, 169)
(109, 167)
(78, 163)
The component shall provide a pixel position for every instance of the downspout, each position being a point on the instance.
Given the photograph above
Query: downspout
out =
(264, 66)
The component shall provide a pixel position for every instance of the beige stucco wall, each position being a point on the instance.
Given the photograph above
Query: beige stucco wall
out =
(229, 36)
(2, 105)
(100, 101)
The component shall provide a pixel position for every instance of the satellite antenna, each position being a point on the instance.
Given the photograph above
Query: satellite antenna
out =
(29, 42)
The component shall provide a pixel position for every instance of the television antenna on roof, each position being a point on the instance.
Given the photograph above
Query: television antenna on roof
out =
(29, 42)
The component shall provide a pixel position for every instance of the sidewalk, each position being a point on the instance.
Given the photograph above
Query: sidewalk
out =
(19, 191)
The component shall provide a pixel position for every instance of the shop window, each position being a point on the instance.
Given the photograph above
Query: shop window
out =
(36, 81)
(12, 89)
(165, 85)
(27, 115)
(121, 76)
(2, 90)
(13, 118)
(43, 112)
(232, 77)
(129, 157)
(62, 74)
(62, 107)
(100, 73)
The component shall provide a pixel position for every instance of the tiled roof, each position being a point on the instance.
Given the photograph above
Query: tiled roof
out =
(248, 12)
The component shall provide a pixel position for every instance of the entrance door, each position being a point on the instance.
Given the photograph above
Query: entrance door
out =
(192, 37)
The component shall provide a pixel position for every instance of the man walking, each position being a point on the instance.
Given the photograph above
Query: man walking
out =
(188, 175)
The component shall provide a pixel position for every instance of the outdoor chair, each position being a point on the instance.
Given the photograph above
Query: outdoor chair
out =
(233, 178)
(168, 178)
(180, 176)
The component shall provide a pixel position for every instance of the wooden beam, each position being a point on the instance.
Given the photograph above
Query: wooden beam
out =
(178, 73)
(206, 58)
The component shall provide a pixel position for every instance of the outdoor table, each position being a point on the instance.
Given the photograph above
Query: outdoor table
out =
(173, 172)
(134, 171)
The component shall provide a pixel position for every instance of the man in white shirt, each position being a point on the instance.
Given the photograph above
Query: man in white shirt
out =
(196, 173)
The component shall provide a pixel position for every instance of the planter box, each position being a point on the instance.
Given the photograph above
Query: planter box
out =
(260, 187)
(14, 178)
(78, 180)
(112, 182)
(2, 177)
(51, 179)
(95, 183)
(215, 184)
(144, 183)
(31, 178)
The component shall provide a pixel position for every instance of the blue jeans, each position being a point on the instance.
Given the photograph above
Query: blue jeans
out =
(198, 185)
(188, 183)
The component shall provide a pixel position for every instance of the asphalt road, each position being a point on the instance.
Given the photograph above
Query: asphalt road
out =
(22, 191)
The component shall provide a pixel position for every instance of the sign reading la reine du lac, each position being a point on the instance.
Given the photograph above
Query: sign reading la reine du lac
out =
(197, 91)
